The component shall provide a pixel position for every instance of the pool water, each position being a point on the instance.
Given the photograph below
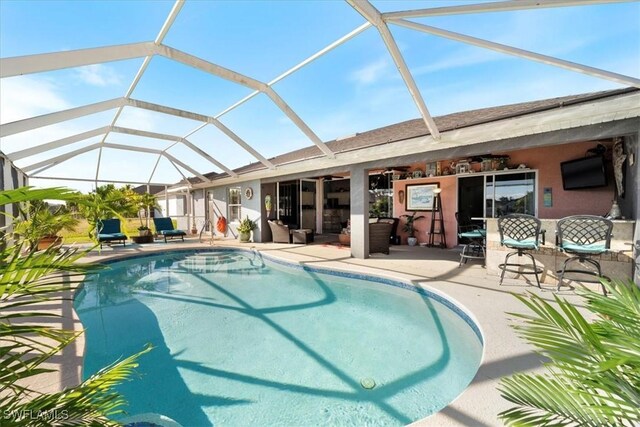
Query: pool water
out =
(243, 340)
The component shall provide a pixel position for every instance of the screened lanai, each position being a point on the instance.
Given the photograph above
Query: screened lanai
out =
(154, 93)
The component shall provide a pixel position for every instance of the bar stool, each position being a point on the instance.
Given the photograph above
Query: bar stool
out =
(520, 232)
(476, 235)
(583, 236)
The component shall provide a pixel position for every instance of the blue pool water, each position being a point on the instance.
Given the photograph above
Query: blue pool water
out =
(243, 340)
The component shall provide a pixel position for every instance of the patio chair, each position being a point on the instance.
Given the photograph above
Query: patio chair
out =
(394, 239)
(164, 227)
(583, 236)
(109, 232)
(379, 240)
(475, 235)
(280, 232)
(520, 232)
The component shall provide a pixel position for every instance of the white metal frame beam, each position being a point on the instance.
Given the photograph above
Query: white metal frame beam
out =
(521, 53)
(31, 123)
(27, 152)
(497, 6)
(93, 180)
(225, 73)
(29, 64)
(174, 138)
(67, 156)
(371, 14)
(173, 14)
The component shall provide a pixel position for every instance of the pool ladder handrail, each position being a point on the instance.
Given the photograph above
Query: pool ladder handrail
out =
(209, 222)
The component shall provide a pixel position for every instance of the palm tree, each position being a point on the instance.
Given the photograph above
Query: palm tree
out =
(593, 377)
(26, 282)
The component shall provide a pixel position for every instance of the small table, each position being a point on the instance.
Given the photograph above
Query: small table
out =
(142, 239)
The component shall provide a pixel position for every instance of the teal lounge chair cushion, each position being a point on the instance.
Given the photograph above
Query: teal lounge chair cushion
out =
(172, 232)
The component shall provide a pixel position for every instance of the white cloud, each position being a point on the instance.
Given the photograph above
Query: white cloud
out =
(27, 96)
(98, 75)
(371, 73)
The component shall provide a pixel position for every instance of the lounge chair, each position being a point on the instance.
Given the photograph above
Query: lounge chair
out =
(280, 232)
(109, 232)
(164, 227)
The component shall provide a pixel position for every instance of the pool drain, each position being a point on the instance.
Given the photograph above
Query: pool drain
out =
(367, 383)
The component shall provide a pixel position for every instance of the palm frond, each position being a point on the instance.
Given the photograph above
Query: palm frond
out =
(593, 377)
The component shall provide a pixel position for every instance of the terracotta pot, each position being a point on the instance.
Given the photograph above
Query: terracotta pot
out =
(48, 241)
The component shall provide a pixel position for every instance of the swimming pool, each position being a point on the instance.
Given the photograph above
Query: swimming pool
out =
(242, 339)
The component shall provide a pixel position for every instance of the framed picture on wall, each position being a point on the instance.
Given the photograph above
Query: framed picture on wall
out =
(419, 197)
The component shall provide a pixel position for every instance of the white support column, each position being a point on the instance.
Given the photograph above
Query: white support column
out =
(166, 200)
(372, 15)
(359, 212)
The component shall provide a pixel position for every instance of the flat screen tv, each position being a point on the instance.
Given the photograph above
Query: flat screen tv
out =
(588, 172)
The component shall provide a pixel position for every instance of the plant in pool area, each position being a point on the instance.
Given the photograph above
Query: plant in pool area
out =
(593, 377)
(245, 228)
(39, 221)
(247, 225)
(30, 337)
(409, 227)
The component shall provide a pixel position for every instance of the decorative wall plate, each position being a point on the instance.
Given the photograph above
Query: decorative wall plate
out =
(248, 193)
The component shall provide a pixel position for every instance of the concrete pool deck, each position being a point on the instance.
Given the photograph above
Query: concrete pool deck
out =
(437, 269)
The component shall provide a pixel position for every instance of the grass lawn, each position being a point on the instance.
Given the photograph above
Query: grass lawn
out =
(81, 232)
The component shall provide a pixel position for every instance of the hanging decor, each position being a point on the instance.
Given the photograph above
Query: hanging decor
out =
(267, 204)
(401, 196)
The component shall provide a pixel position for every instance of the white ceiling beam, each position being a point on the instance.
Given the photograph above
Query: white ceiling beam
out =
(521, 53)
(58, 117)
(185, 166)
(498, 6)
(127, 147)
(295, 68)
(155, 151)
(284, 107)
(243, 144)
(202, 118)
(179, 171)
(153, 171)
(99, 180)
(208, 157)
(372, 15)
(209, 67)
(173, 14)
(61, 158)
(243, 80)
(173, 138)
(27, 152)
(29, 64)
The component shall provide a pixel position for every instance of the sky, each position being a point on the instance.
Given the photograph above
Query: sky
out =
(353, 88)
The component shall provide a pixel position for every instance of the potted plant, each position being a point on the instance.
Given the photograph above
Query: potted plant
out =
(143, 230)
(245, 228)
(410, 229)
(42, 223)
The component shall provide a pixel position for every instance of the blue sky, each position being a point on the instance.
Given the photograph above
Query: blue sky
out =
(353, 88)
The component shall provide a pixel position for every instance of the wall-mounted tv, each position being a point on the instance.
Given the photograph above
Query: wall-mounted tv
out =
(588, 172)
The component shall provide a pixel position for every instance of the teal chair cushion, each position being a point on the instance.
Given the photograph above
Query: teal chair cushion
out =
(593, 248)
(476, 234)
(520, 244)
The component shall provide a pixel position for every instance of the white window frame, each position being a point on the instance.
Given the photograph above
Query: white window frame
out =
(230, 205)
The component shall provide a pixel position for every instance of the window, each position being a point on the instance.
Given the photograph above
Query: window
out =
(235, 204)
(510, 193)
